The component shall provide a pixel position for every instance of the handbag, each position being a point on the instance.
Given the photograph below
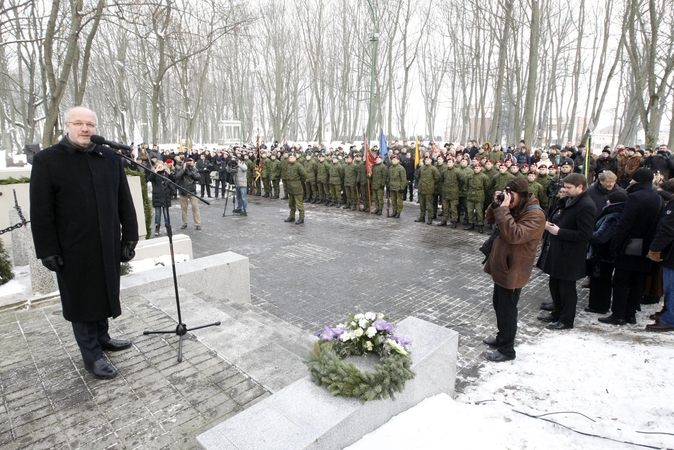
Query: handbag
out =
(633, 247)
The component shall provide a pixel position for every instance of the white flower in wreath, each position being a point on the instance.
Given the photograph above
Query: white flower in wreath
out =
(370, 316)
(359, 316)
(397, 347)
(380, 316)
(358, 332)
(363, 323)
(342, 326)
(368, 346)
(370, 332)
(353, 324)
(345, 336)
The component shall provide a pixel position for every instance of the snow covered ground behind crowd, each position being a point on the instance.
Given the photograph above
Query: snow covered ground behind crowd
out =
(604, 387)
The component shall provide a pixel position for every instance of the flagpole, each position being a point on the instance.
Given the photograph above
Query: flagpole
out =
(373, 39)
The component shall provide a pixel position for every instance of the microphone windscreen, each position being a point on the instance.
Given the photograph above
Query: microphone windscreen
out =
(96, 139)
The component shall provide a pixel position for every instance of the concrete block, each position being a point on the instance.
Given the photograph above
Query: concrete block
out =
(159, 246)
(224, 275)
(306, 416)
(22, 243)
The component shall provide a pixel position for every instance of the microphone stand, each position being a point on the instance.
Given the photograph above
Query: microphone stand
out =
(181, 329)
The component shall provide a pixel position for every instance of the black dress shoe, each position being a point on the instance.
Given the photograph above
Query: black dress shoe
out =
(612, 320)
(558, 326)
(595, 311)
(498, 357)
(101, 369)
(543, 317)
(548, 306)
(632, 320)
(115, 345)
(299, 221)
(490, 341)
(289, 219)
(659, 328)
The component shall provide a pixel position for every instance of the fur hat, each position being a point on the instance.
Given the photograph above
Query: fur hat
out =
(642, 175)
(519, 185)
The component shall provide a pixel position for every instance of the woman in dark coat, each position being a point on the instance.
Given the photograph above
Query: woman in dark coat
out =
(569, 231)
(600, 253)
(639, 220)
(161, 195)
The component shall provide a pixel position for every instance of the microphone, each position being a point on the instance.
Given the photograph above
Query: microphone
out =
(100, 140)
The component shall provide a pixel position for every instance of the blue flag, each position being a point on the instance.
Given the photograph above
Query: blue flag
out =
(383, 147)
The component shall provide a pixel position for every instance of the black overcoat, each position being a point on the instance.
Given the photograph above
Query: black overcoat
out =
(81, 208)
(639, 219)
(566, 256)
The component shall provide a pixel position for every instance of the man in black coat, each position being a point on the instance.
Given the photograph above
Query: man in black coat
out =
(638, 222)
(569, 231)
(84, 223)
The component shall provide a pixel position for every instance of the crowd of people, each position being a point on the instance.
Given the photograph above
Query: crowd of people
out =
(587, 218)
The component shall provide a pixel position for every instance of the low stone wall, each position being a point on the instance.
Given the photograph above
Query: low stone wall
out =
(306, 416)
(225, 275)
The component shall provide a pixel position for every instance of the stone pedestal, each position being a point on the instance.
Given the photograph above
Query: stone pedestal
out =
(42, 280)
(306, 416)
(22, 239)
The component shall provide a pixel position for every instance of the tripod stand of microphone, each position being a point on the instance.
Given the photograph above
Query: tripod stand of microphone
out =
(181, 329)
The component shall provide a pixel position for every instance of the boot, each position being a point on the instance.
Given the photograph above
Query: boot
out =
(378, 212)
(346, 206)
(397, 216)
(465, 220)
(420, 219)
(480, 229)
(453, 225)
(266, 195)
(470, 227)
(156, 230)
(429, 222)
(442, 223)
(354, 207)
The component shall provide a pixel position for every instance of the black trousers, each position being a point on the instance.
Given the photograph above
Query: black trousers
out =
(90, 337)
(505, 306)
(600, 287)
(565, 298)
(628, 288)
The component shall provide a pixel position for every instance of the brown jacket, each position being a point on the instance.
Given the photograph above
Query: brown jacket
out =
(512, 257)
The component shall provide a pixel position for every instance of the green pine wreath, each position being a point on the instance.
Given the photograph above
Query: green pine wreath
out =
(363, 333)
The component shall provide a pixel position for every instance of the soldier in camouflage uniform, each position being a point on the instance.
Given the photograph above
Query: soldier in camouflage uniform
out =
(397, 183)
(350, 181)
(437, 196)
(296, 176)
(275, 176)
(336, 177)
(322, 179)
(363, 185)
(500, 179)
(428, 177)
(475, 198)
(266, 175)
(311, 187)
(467, 171)
(378, 183)
(450, 182)
(536, 189)
(284, 176)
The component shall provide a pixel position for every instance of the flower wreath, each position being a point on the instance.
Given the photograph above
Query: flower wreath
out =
(362, 333)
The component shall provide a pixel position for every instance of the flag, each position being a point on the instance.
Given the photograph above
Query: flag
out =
(369, 157)
(383, 147)
(417, 154)
(588, 155)
(180, 145)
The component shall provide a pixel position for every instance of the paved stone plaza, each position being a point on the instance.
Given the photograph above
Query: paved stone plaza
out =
(308, 275)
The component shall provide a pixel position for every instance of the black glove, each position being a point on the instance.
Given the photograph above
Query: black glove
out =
(128, 251)
(53, 263)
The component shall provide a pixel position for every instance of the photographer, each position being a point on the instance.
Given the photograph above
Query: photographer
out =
(204, 168)
(521, 223)
(161, 195)
(187, 177)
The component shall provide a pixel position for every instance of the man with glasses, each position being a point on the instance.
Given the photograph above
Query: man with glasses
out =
(84, 224)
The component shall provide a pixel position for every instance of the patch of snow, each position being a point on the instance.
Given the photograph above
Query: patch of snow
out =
(152, 263)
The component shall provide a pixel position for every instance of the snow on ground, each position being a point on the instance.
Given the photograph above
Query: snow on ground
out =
(614, 385)
(151, 263)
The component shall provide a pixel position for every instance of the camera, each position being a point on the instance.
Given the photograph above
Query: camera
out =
(500, 197)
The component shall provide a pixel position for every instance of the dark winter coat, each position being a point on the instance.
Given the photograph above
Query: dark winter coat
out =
(664, 238)
(161, 196)
(599, 194)
(638, 220)
(605, 228)
(78, 201)
(187, 179)
(567, 250)
(512, 257)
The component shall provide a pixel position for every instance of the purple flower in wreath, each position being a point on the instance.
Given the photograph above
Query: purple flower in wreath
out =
(328, 334)
(402, 340)
(382, 325)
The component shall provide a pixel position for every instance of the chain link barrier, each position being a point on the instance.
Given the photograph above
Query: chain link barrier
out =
(23, 222)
